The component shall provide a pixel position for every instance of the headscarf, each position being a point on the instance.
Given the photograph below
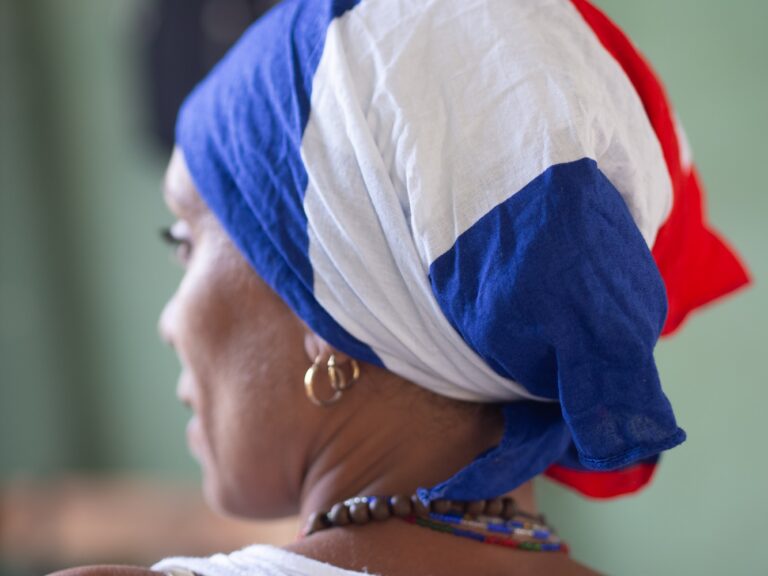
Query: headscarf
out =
(489, 198)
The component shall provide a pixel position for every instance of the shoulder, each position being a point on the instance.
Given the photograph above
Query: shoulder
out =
(107, 570)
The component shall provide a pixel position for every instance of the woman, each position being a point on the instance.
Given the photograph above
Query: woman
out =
(463, 226)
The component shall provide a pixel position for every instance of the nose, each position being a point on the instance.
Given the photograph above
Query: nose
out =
(166, 322)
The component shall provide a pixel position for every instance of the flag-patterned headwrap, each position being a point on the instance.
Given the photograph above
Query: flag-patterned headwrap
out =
(491, 198)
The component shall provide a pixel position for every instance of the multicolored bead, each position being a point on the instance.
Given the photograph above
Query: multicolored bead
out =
(494, 521)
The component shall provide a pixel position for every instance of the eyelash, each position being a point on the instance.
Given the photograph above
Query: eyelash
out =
(182, 247)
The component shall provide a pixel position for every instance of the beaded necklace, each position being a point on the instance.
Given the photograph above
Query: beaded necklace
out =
(497, 521)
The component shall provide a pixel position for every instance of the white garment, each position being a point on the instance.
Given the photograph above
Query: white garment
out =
(257, 560)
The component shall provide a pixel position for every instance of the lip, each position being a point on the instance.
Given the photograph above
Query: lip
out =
(187, 401)
(194, 431)
(184, 391)
(195, 437)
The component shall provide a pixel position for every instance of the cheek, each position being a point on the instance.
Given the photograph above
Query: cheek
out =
(244, 352)
(205, 316)
(258, 441)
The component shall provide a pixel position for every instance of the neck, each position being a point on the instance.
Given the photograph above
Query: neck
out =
(383, 444)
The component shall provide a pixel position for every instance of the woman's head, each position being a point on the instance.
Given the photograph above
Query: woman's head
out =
(480, 221)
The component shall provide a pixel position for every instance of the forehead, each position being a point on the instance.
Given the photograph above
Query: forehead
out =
(179, 189)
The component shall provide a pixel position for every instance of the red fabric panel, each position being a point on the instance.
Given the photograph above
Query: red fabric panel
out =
(696, 264)
(604, 484)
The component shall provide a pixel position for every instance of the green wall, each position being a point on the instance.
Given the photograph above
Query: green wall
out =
(84, 381)
(86, 384)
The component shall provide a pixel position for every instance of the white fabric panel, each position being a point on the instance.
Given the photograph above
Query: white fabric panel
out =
(258, 560)
(426, 114)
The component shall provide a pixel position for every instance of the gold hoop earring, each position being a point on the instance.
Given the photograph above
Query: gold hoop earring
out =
(337, 378)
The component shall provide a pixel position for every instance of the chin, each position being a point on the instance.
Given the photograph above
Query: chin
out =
(214, 498)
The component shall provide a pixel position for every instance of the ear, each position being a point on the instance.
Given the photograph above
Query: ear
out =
(316, 347)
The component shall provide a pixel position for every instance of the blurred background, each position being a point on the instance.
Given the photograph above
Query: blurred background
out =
(93, 461)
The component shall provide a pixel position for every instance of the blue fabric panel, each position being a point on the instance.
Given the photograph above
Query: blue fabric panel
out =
(241, 131)
(535, 436)
(556, 289)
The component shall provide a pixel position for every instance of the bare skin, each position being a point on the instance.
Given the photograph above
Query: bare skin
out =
(266, 451)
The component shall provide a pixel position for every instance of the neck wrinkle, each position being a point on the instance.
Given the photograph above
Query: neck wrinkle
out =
(395, 448)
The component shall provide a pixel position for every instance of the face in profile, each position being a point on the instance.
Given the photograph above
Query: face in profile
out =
(242, 356)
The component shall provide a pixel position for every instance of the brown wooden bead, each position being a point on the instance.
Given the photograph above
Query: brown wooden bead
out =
(458, 507)
(418, 506)
(510, 508)
(401, 505)
(379, 508)
(476, 507)
(359, 513)
(494, 507)
(339, 515)
(440, 506)
(317, 521)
